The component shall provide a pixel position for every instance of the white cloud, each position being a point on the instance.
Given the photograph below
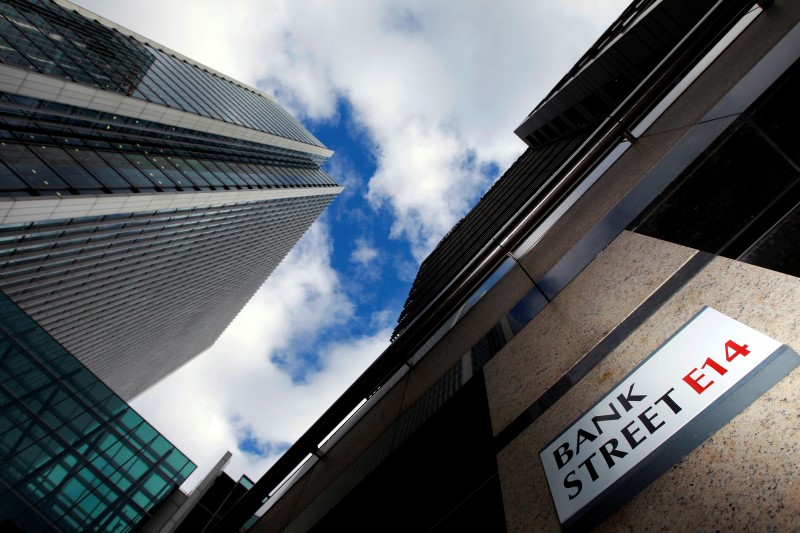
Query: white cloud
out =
(237, 387)
(438, 86)
(364, 253)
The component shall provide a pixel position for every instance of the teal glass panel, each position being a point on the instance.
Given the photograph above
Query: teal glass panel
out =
(30, 457)
(35, 338)
(121, 480)
(9, 420)
(56, 474)
(165, 490)
(112, 495)
(15, 388)
(130, 419)
(114, 405)
(160, 446)
(67, 433)
(72, 490)
(100, 463)
(141, 499)
(4, 373)
(117, 524)
(30, 434)
(155, 484)
(136, 468)
(32, 379)
(64, 365)
(123, 455)
(146, 433)
(67, 408)
(113, 449)
(83, 424)
(176, 460)
(130, 512)
(36, 402)
(82, 379)
(89, 503)
(95, 393)
(108, 440)
(98, 510)
(186, 471)
(14, 362)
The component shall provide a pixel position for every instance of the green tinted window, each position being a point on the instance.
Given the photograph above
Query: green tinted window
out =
(78, 460)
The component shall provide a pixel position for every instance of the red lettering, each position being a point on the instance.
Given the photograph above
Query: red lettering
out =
(732, 350)
(695, 382)
(737, 350)
(716, 366)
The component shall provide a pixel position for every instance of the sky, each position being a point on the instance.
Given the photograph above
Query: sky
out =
(419, 100)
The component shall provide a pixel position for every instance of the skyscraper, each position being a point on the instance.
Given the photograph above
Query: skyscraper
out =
(144, 198)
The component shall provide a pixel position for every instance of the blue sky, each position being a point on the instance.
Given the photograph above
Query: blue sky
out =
(419, 101)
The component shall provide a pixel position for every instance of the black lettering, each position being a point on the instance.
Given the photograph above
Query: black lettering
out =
(648, 420)
(602, 418)
(626, 400)
(670, 402)
(629, 435)
(562, 454)
(583, 436)
(590, 467)
(573, 484)
(610, 448)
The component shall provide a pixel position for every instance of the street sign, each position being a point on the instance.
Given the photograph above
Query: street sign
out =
(706, 373)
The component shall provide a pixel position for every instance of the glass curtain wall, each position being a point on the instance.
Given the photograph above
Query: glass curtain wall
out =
(74, 457)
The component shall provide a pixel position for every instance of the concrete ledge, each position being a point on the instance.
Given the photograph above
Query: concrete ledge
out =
(586, 311)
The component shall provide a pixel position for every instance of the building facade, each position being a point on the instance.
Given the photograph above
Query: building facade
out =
(74, 456)
(144, 198)
(662, 177)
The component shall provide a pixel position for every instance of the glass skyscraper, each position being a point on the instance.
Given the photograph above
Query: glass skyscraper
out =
(73, 456)
(144, 198)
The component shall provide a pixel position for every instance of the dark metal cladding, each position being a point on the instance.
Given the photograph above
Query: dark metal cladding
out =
(520, 182)
(617, 63)
(590, 93)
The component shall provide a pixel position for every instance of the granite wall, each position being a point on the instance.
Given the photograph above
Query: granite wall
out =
(744, 477)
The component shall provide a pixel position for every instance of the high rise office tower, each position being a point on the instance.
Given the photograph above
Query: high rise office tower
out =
(143, 197)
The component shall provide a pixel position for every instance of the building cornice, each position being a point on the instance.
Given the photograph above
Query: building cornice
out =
(35, 209)
(142, 39)
(24, 82)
